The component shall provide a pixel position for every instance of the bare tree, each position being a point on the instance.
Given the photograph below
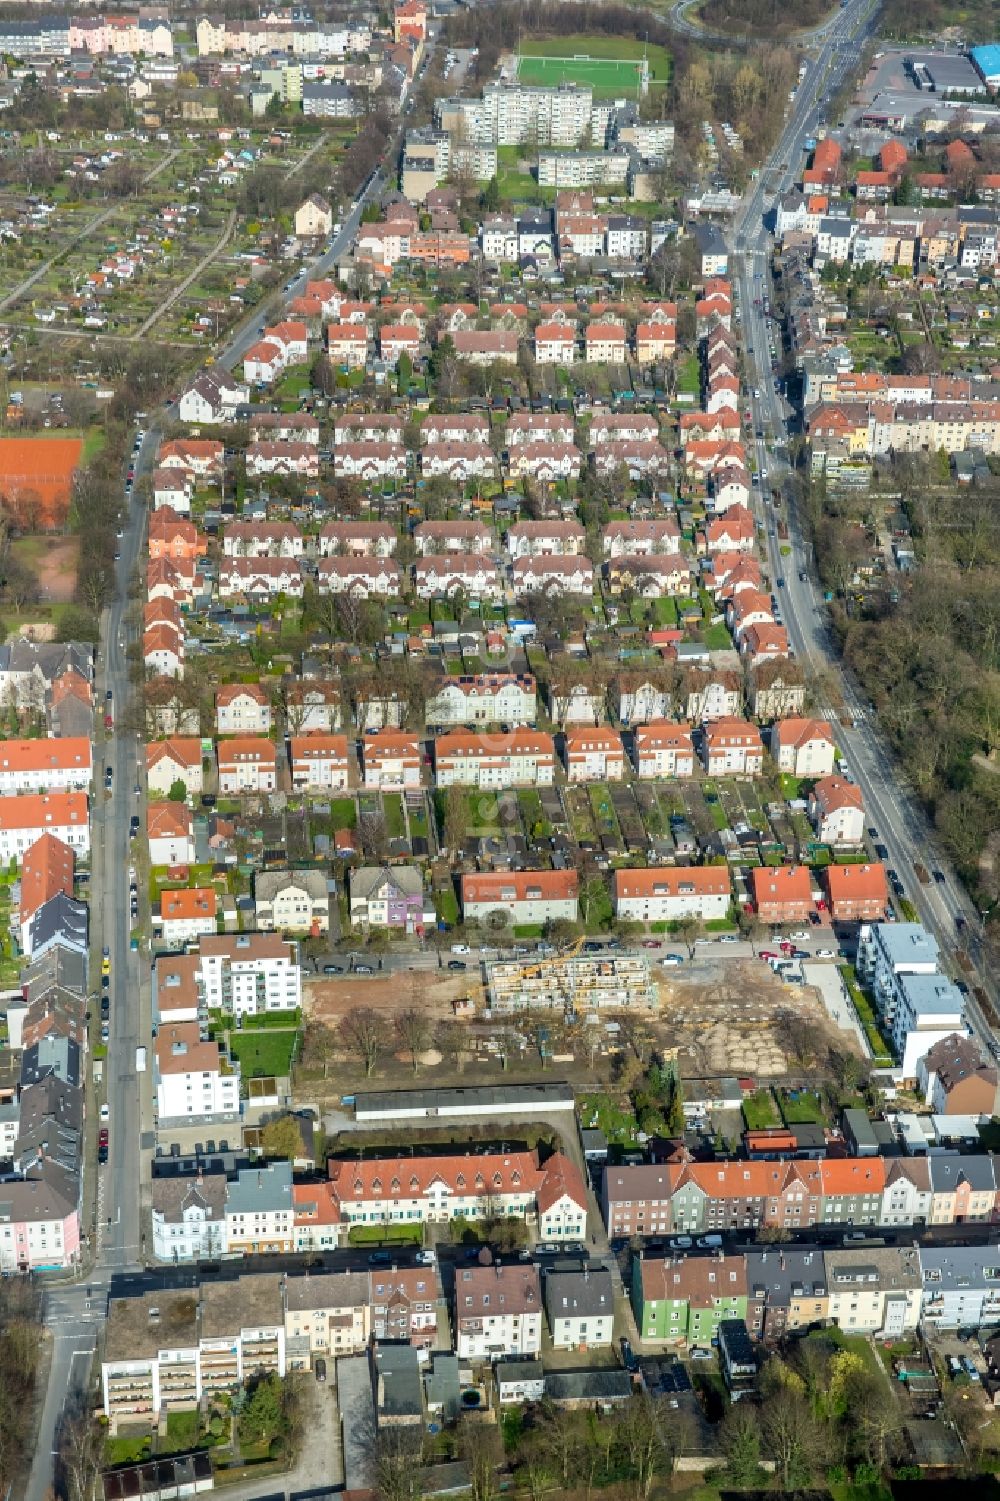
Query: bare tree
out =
(413, 1030)
(81, 1447)
(364, 1033)
(479, 1446)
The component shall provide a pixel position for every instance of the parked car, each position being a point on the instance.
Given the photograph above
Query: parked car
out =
(380, 1258)
(320, 1369)
(457, 964)
(629, 1360)
(701, 1354)
(425, 1258)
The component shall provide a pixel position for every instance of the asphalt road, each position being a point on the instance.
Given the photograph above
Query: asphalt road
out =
(74, 1310)
(899, 821)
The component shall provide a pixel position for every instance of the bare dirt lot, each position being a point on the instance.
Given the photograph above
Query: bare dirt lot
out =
(328, 1001)
(54, 562)
(729, 1019)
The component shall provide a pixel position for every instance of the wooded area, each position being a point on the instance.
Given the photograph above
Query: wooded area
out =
(930, 658)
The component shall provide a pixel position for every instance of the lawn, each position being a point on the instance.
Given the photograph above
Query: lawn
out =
(377, 1235)
(716, 637)
(880, 1048)
(801, 1107)
(395, 818)
(759, 1111)
(183, 1431)
(600, 1111)
(689, 376)
(446, 903)
(263, 1054)
(343, 813)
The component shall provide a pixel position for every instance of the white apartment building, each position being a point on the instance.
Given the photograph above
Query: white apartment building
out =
(245, 974)
(193, 1081)
(510, 113)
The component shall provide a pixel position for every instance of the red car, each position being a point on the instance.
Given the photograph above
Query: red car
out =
(102, 1137)
(109, 723)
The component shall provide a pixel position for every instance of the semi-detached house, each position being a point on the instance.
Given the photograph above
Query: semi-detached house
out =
(391, 760)
(319, 762)
(837, 810)
(186, 914)
(553, 575)
(242, 709)
(434, 538)
(527, 896)
(247, 764)
(803, 747)
(261, 578)
(533, 539)
(663, 749)
(175, 760)
(45, 765)
(170, 834)
(358, 539)
(25, 818)
(362, 577)
(670, 893)
(595, 754)
(370, 460)
(457, 573)
(522, 758)
(732, 747)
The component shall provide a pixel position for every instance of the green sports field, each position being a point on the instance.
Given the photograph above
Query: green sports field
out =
(610, 65)
(604, 75)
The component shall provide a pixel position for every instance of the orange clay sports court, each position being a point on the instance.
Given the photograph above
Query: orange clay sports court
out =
(42, 468)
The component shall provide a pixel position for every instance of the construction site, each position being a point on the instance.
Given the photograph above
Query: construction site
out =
(572, 983)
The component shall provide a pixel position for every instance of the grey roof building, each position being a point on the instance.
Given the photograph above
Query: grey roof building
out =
(580, 1307)
(442, 1386)
(398, 1389)
(952, 1170)
(50, 1126)
(62, 920)
(52, 1057)
(961, 1286)
(580, 1388)
(261, 1190)
(172, 1198)
(357, 1421)
(59, 966)
(777, 1276)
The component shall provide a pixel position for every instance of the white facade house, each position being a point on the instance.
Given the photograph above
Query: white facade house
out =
(483, 698)
(803, 747)
(580, 1308)
(667, 894)
(188, 1217)
(242, 709)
